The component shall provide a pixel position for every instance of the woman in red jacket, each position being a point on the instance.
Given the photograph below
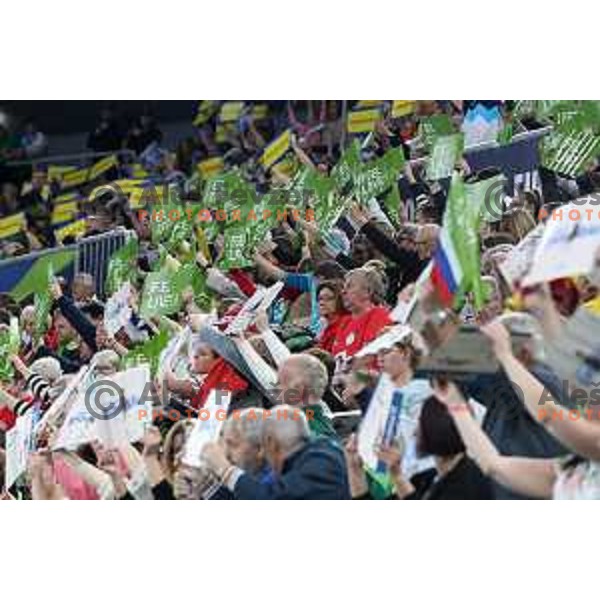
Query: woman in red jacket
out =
(332, 311)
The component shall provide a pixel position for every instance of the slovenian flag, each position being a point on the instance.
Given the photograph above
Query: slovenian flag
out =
(447, 273)
(456, 261)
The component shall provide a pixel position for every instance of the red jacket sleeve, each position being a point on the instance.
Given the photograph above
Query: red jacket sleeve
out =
(243, 280)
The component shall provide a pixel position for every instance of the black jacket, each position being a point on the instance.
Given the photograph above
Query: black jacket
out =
(464, 482)
(409, 264)
(82, 325)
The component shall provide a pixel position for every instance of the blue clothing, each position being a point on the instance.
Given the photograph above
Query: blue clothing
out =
(265, 477)
(315, 472)
(304, 282)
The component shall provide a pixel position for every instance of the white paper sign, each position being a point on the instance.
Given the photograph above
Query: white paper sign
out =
(206, 430)
(117, 311)
(167, 356)
(372, 427)
(83, 423)
(569, 244)
(260, 300)
(18, 445)
(270, 295)
(519, 260)
(385, 341)
(243, 318)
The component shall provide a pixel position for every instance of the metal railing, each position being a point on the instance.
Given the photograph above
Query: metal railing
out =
(92, 255)
(79, 158)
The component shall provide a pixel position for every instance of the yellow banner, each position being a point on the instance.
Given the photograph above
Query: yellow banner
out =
(135, 198)
(362, 121)
(125, 186)
(141, 195)
(103, 165)
(68, 197)
(260, 111)
(76, 229)
(56, 172)
(206, 109)
(401, 108)
(368, 103)
(76, 177)
(222, 132)
(211, 166)
(231, 111)
(12, 225)
(286, 166)
(138, 172)
(276, 149)
(64, 212)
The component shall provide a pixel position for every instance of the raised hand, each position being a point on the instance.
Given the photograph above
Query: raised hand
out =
(448, 393)
(499, 336)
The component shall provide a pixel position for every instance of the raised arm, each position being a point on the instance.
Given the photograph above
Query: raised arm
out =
(84, 327)
(99, 480)
(184, 387)
(380, 240)
(256, 363)
(581, 435)
(302, 156)
(278, 350)
(528, 476)
(41, 474)
(268, 267)
(7, 399)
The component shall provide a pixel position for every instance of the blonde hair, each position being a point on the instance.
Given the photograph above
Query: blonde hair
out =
(518, 222)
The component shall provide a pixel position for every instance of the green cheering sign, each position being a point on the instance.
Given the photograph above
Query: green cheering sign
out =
(160, 296)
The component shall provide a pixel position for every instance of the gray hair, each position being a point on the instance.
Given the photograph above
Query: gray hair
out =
(288, 426)
(47, 367)
(249, 423)
(28, 312)
(373, 281)
(107, 358)
(313, 371)
(84, 278)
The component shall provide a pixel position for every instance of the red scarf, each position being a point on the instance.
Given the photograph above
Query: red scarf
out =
(222, 376)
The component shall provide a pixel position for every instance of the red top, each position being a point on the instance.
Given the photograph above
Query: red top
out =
(7, 418)
(51, 339)
(332, 331)
(359, 331)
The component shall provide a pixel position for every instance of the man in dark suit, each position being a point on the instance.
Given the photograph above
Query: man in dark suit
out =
(305, 468)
